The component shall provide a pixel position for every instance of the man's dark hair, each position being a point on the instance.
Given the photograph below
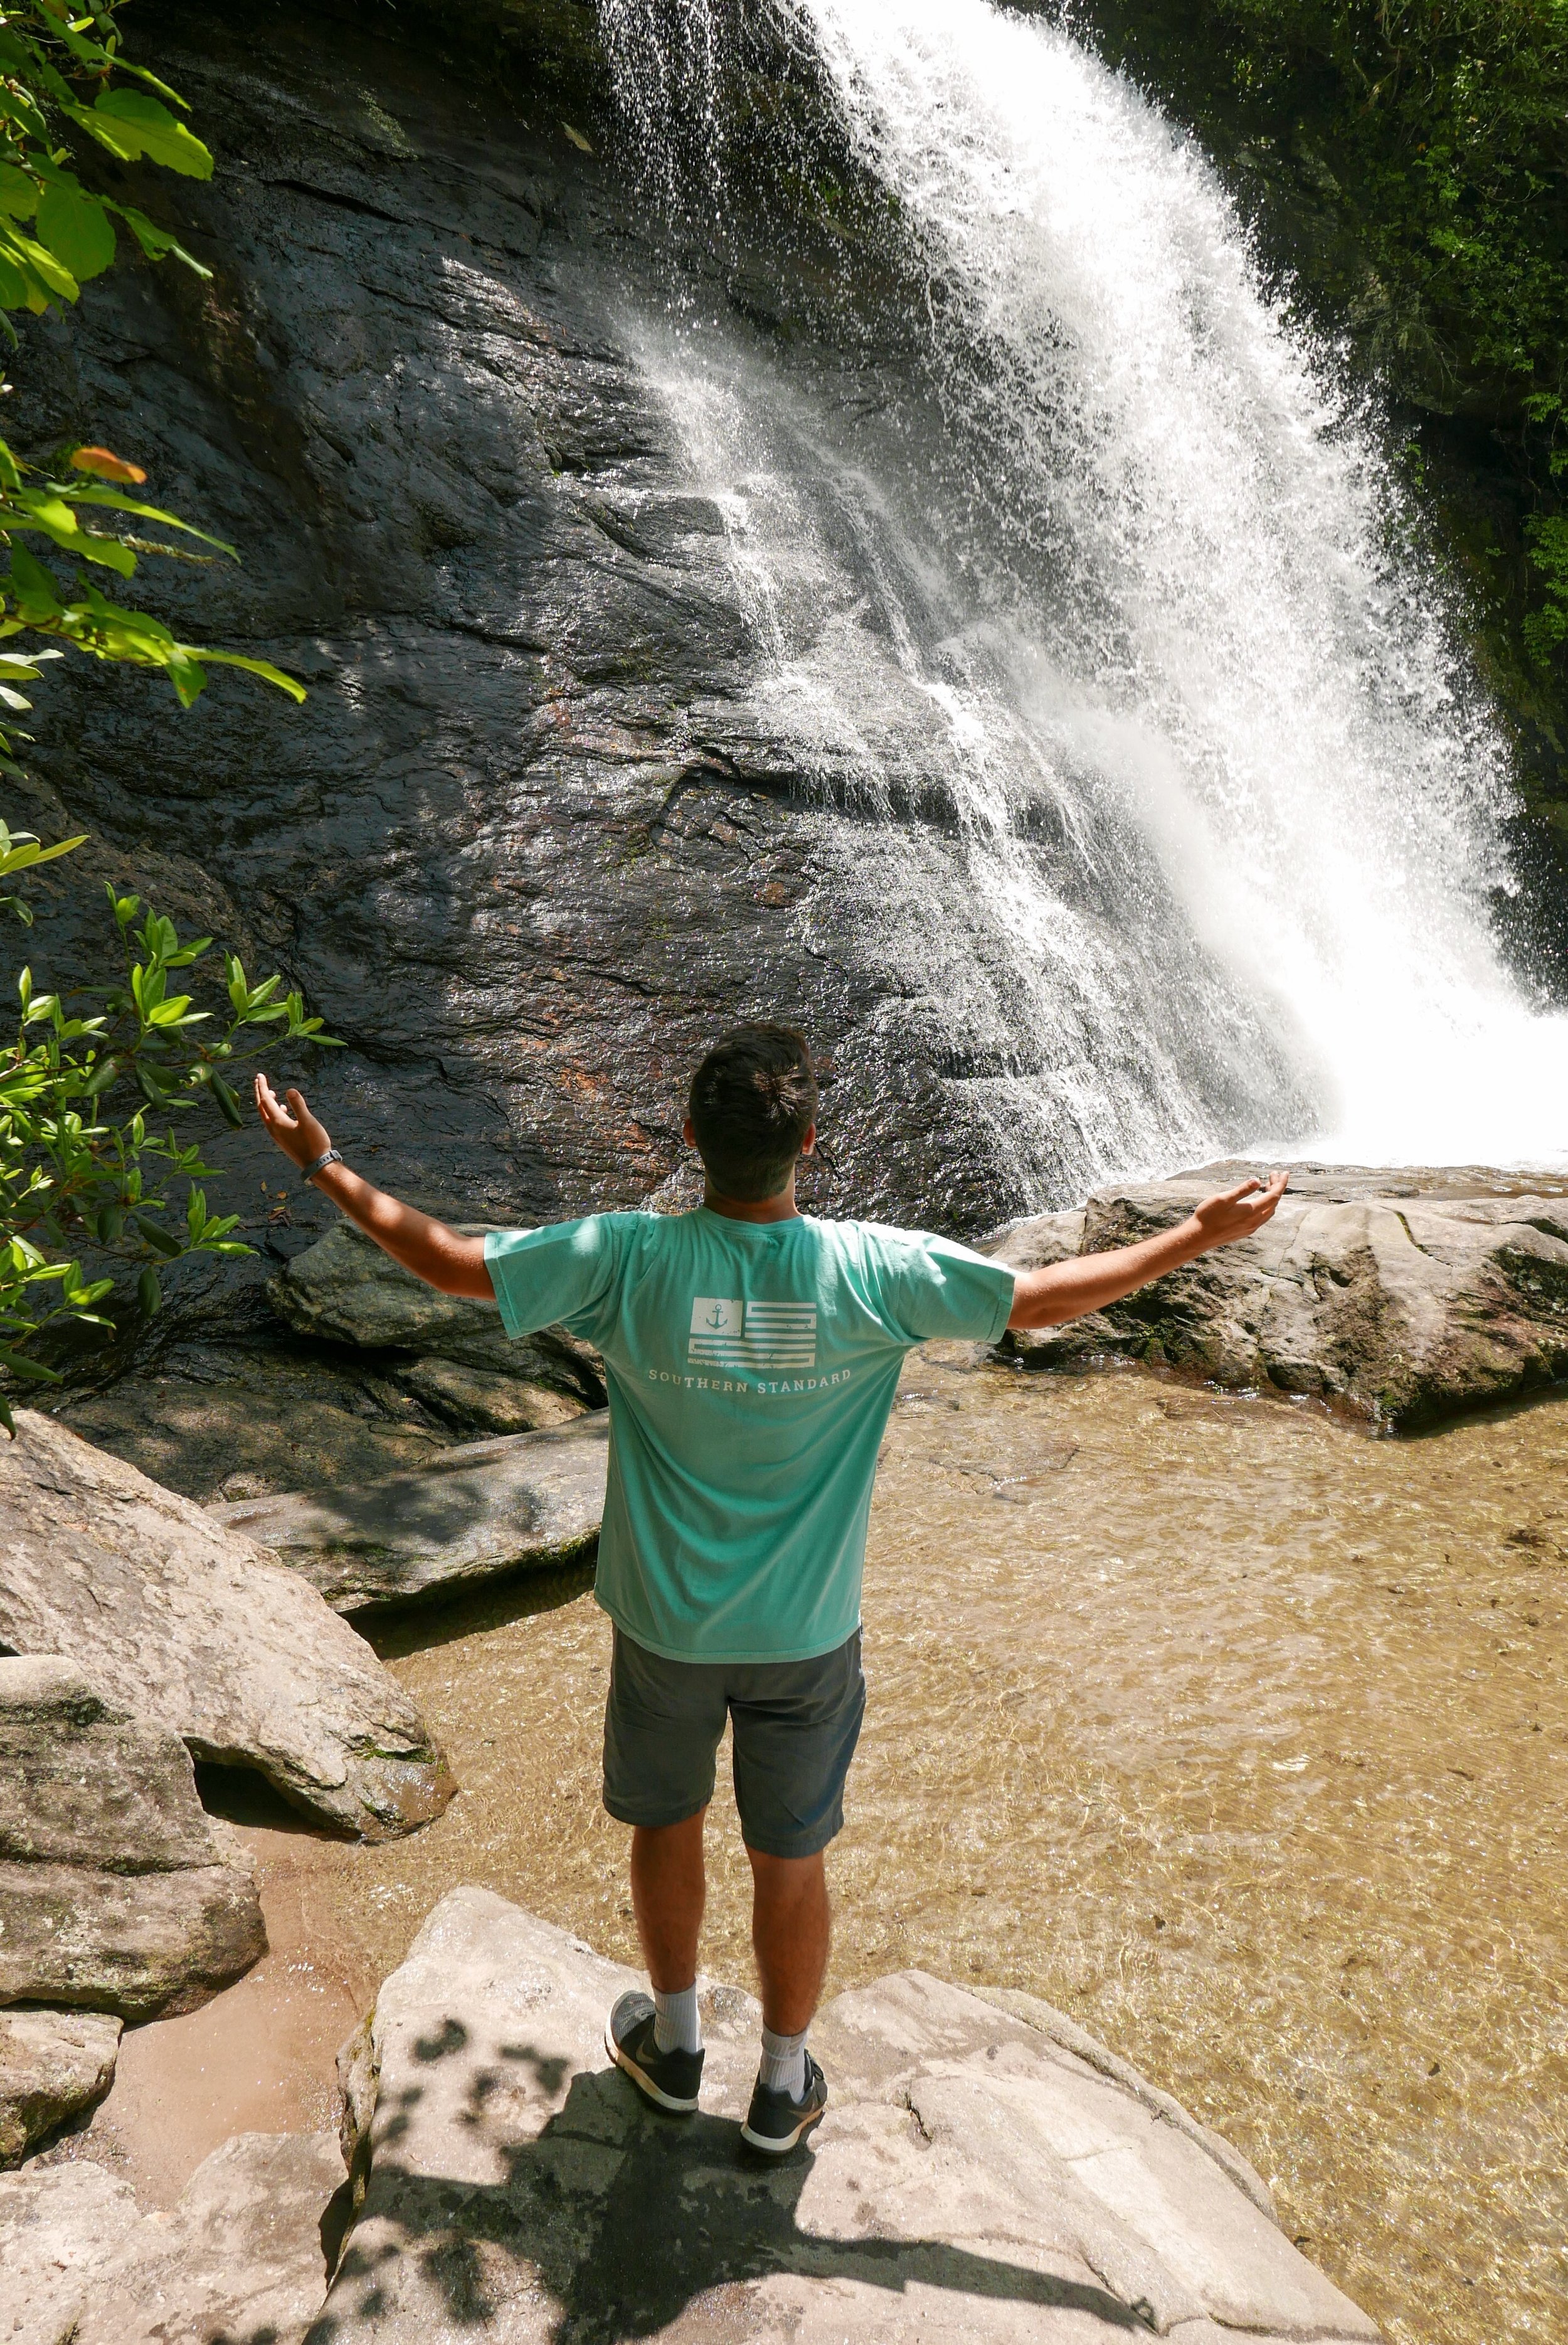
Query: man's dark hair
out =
(753, 1100)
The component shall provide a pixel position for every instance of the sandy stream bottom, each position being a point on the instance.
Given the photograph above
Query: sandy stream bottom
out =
(1236, 1734)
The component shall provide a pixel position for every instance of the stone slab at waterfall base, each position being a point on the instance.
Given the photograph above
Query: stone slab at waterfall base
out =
(240, 2258)
(1405, 1303)
(206, 1632)
(117, 1892)
(985, 2172)
(475, 1512)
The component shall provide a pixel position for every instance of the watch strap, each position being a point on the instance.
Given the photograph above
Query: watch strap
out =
(319, 1163)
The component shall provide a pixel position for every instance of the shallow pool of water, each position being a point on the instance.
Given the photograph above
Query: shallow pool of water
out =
(1237, 1735)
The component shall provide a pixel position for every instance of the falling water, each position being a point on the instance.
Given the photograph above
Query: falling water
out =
(1123, 577)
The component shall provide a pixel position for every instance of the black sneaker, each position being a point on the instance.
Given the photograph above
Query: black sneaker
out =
(671, 2080)
(776, 2121)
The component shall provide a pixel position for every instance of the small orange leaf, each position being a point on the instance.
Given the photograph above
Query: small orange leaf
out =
(107, 466)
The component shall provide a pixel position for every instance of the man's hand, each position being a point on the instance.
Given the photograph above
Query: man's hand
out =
(1070, 1290)
(302, 1136)
(1238, 1213)
(443, 1257)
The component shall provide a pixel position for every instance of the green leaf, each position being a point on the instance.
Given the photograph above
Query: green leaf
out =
(132, 124)
(18, 194)
(157, 243)
(227, 1102)
(161, 1240)
(148, 1293)
(263, 668)
(18, 1364)
(76, 230)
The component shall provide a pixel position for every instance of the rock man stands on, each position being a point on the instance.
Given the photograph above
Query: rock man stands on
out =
(752, 1353)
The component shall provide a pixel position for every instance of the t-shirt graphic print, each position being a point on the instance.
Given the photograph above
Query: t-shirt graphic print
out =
(730, 1332)
(752, 1366)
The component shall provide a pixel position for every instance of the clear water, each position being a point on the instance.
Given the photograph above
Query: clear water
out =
(1122, 579)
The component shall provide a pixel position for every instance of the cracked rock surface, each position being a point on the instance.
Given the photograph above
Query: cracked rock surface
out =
(206, 1633)
(985, 2171)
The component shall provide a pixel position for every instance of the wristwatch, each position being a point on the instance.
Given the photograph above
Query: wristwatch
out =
(319, 1163)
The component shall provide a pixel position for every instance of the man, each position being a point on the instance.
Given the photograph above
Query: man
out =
(752, 1353)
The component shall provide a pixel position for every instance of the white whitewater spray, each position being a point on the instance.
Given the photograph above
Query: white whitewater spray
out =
(1151, 569)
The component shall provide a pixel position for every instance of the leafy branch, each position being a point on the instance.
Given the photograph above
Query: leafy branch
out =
(76, 1173)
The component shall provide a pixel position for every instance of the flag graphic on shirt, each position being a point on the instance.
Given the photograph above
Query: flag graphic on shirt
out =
(728, 1334)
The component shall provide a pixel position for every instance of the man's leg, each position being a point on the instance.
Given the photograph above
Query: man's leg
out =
(669, 1890)
(663, 1721)
(790, 1928)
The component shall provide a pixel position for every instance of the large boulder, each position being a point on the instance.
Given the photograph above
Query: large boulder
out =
(984, 2173)
(53, 2064)
(203, 1630)
(116, 1892)
(240, 2258)
(477, 1510)
(452, 1352)
(1403, 1307)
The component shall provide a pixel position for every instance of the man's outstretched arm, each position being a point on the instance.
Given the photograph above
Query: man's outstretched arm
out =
(443, 1257)
(1069, 1290)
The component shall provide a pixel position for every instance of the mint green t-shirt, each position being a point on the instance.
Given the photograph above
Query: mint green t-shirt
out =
(752, 1366)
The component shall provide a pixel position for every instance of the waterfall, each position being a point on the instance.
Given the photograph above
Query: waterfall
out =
(1114, 567)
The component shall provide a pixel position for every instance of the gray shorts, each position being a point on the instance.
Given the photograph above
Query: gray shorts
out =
(796, 1724)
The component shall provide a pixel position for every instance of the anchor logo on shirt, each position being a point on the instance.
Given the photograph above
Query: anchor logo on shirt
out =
(714, 1314)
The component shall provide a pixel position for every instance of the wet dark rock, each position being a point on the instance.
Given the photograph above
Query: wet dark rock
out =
(117, 1893)
(1403, 1296)
(530, 843)
(206, 1633)
(53, 2064)
(478, 1511)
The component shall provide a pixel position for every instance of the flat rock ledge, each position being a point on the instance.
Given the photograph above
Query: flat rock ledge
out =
(985, 2171)
(1403, 1303)
(206, 1632)
(241, 2259)
(117, 1893)
(453, 1353)
(475, 1512)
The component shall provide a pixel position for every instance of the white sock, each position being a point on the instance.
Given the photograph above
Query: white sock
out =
(678, 2027)
(783, 2066)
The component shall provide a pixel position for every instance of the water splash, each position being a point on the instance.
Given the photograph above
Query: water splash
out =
(1128, 579)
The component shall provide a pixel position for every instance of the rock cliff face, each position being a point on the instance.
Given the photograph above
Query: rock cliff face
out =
(528, 845)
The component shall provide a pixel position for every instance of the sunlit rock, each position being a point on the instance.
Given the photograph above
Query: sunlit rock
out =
(1403, 1300)
(206, 1632)
(982, 2173)
(116, 1892)
(240, 2258)
(52, 2064)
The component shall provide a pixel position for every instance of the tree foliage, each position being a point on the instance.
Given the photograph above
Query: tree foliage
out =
(81, 1166)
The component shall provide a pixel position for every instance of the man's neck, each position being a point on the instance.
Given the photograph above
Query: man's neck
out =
(781, 1208)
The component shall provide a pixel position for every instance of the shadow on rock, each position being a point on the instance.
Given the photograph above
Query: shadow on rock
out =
(627, 2224)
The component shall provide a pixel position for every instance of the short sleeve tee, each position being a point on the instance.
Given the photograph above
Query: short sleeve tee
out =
(751, 1367)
